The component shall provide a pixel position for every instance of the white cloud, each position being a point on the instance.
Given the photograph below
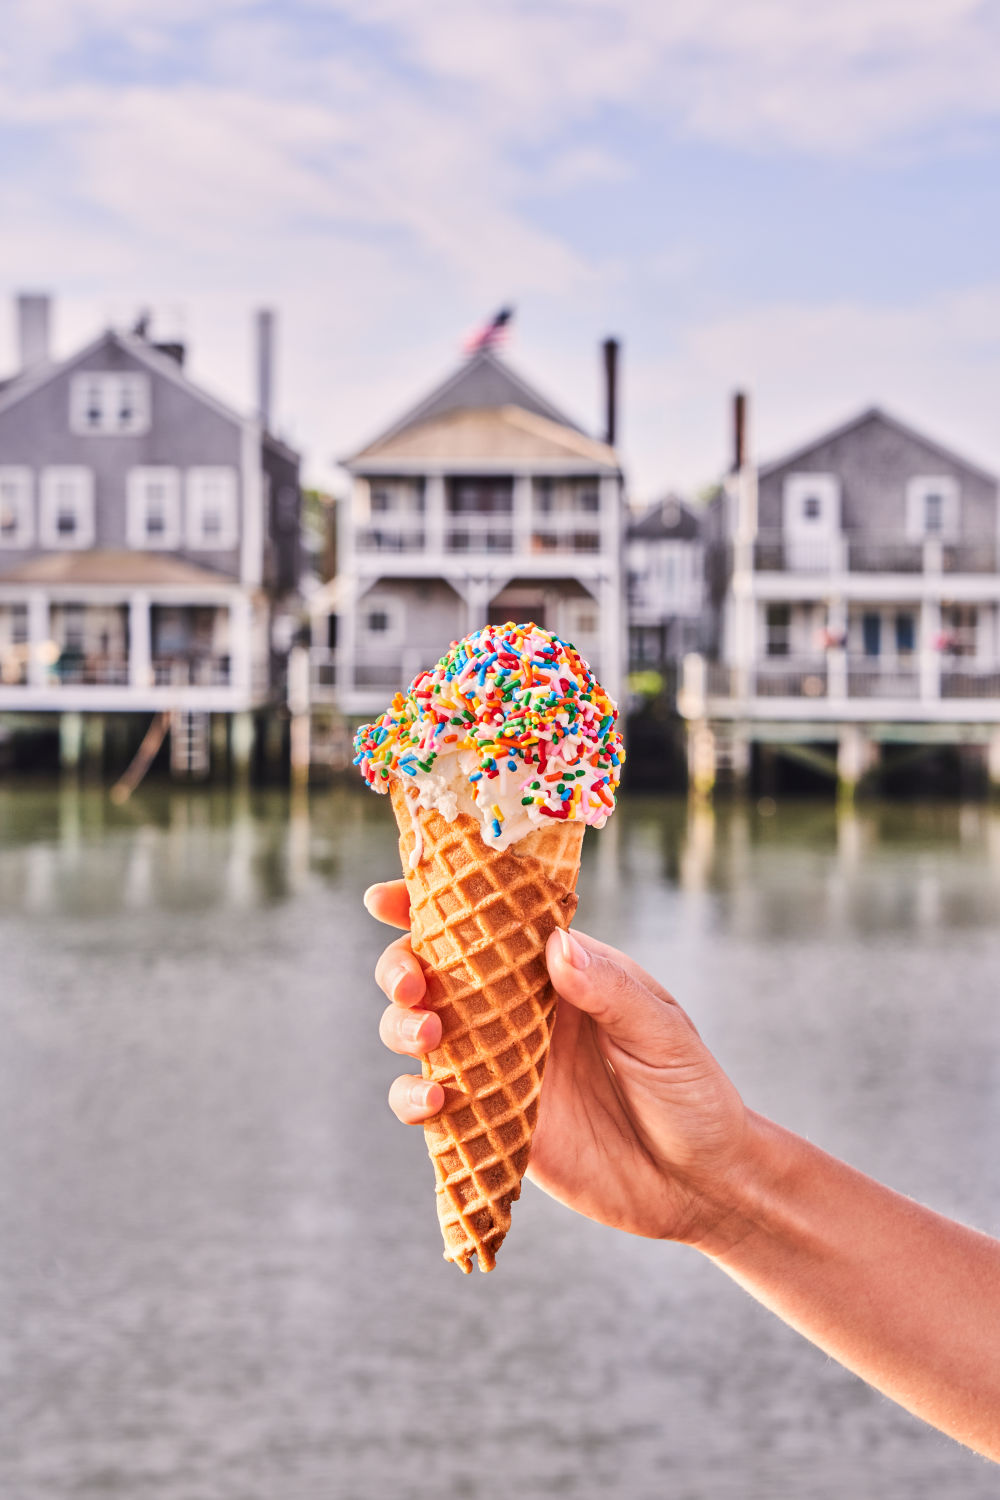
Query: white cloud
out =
(385, 171)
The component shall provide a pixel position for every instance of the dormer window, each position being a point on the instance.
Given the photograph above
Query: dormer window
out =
(932, 506)
(106, 402)
(16, 529)
(812, 508)
(66, 510)
(154, 508)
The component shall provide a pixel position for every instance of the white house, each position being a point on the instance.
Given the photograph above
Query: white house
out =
(484, 502)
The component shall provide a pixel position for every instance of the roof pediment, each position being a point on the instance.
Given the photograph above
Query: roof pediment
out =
(487, 435)
(874, 416)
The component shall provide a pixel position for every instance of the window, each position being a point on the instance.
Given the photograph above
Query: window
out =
(932, 506)
(588, 500)
(382, 622)
(479, 497)
(19, 624)
(812, 508)
(871, 634)
(382, 501)
(543, 498)
(779, 629)
(66, 512)
(154, 508)
(933, 513)
(16, 529)
(906, 634)
(961, 622)
(109, 402)
(211, 509)
(74, 632)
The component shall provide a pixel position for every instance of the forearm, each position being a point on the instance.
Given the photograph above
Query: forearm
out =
(904, 1297)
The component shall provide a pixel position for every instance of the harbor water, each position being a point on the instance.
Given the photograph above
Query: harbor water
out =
(220, 1268)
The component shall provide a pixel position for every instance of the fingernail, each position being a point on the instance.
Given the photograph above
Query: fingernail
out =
(573, 952)
(397, 977)
(367, 897)
(410, 1027)
(420, 1093)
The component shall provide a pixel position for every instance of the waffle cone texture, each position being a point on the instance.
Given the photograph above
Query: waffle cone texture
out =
(479, 919)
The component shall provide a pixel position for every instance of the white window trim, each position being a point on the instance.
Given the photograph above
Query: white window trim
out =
(48, 534)
(391, 638)
(917, 489)
(796, 490)
(137, 509)
(23, 480)
(109, 382)
(228, 536)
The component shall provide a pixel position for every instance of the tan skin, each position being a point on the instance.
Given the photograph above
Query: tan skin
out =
(641, 1129)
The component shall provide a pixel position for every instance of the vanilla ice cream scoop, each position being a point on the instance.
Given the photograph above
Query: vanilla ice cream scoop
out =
(511, 726)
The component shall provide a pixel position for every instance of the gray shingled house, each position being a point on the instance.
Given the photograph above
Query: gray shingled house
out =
(149, 542)
(857, 581)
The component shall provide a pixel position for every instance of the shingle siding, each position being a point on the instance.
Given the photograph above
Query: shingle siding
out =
(874, 460)
(184, 432)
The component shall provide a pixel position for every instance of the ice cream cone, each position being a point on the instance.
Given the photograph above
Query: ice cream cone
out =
(480, 917)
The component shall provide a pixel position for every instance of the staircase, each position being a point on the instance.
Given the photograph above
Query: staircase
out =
(190, 753)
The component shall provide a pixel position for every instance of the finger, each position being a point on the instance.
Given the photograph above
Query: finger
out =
(389, 902)
(639, 974)
(409, 1032)
(636, 1018)
(413, 1099)
(399, 975)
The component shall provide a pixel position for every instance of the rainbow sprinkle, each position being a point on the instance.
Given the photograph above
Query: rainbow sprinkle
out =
(519, 698)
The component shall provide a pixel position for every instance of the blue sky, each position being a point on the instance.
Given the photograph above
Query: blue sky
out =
(803, 202)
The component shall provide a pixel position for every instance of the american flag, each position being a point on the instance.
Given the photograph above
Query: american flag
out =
(490, 335)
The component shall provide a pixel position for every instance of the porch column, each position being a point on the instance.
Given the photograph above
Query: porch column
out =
(241, 646)
(39, 636)
(836, 656)
(477, 593)
(856, 753)
(434, 513)
(993, 761)
(140, 651)
(930, 657)
(611, 636)
(522, 512)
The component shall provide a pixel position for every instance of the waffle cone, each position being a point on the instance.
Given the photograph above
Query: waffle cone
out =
(479, 920)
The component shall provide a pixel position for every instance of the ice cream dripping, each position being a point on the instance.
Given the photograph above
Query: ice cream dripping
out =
(510, 726)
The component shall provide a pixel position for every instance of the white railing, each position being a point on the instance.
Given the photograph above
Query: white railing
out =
(873, 552)
(197, 671)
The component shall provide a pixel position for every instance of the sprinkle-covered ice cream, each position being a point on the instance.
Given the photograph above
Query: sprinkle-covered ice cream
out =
(511, 726)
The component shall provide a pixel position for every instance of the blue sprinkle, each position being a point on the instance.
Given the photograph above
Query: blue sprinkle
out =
(512, 765)
(496, 829)
(476, 776)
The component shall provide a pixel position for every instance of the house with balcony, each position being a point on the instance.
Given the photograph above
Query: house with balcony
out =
(665, 585)
(149, 539)
(483, 503)
(857, 604)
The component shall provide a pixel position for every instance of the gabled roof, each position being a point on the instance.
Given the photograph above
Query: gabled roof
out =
(164, 365)
(669, 519)
(875, 414)
(115, 567)
(482, 382)
(488, 434)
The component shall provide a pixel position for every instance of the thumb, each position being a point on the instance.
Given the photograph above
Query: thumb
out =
(652, 1029)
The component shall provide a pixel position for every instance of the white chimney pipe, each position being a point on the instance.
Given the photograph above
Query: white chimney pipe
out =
(265, 366)
(33, 329)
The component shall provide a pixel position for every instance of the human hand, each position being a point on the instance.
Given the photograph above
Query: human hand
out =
(638, 1125)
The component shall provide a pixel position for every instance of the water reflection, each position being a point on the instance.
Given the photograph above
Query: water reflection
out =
(219, 1268)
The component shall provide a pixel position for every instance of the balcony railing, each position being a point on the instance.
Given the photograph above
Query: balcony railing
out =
(390, 539)
(195, 671)
(73, 670)
(873, 552)
(856, 677)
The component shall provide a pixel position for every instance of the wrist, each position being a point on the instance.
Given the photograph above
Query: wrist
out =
(747, 1200)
